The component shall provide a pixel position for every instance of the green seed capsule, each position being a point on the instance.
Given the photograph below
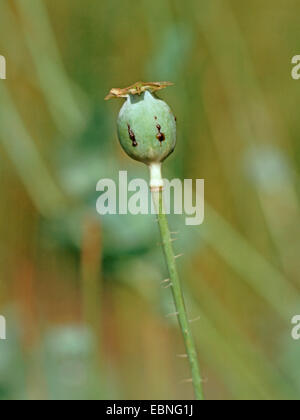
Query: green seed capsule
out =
(147, 128)
(146, 124)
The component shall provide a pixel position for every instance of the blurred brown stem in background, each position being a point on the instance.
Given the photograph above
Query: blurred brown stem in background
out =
(91, 259)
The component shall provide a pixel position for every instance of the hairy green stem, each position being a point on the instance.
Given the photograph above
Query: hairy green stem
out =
(181, 312)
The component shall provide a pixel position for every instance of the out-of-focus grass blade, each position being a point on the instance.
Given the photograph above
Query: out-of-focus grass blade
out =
(252, 355)
(253, 119)
(259, 274)
(28, 162)
(53, 79)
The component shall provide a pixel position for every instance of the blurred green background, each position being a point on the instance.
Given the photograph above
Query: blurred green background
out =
(85, 310)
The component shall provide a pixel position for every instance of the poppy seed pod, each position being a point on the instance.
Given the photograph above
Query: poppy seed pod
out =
(147, 128)
(146, 124)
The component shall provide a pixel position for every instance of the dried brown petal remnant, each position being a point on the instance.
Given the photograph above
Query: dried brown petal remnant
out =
(137, 89)
(132, 137)
(160, 136)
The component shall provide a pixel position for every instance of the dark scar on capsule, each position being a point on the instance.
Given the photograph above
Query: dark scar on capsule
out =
(132, 136)
(155, 118)
(175, 119)
(160, 136)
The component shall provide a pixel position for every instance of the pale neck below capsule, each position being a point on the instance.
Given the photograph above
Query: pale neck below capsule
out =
(156, 180)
